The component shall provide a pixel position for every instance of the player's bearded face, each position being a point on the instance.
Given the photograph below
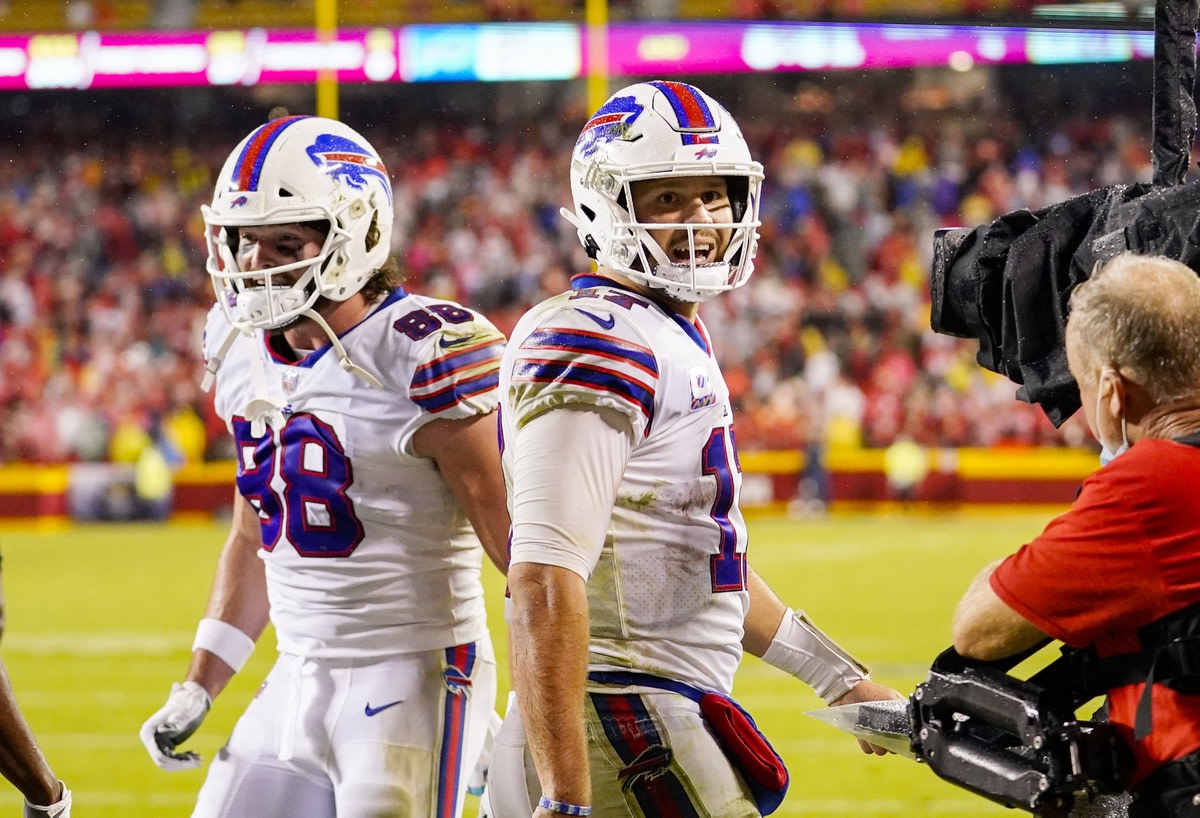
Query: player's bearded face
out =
(262, 247)
(690, 200)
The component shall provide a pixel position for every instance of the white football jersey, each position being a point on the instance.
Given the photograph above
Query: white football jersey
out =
(668, 595)
(367, 551)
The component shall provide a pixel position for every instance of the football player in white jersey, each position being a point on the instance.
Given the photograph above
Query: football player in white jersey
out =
(632, 596)
(366, 454)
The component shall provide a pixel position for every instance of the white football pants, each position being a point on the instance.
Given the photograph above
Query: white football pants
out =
(326, 739)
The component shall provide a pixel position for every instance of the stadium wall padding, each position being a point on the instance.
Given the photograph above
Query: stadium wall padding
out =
(772, 479)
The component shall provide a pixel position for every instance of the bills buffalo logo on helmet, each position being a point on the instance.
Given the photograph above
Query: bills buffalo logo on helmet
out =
(346, 160)
(613, 121)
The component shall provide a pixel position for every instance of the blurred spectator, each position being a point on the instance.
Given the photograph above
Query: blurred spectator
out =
(905, 467)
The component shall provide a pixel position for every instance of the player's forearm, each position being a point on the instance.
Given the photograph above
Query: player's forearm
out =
(217, 656)
(763, 618)
(985, 627)
(239, 589)
(549, 631)
(21, 761)
(238, 599)
(239, 594)
(788, 640)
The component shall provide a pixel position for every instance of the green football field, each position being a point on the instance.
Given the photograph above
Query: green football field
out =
(100, 620)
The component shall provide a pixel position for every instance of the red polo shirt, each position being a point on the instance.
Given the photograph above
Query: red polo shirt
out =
(1127, 553)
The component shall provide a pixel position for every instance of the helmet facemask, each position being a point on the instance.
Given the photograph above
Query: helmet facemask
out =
(276, 297)
(688, 280)
(663, 130)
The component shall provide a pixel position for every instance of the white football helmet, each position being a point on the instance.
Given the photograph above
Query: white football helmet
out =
(299, 169)
(653, 130)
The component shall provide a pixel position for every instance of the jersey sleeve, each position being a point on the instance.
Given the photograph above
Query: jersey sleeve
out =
(584, 357)
(567, 466)
(1092, 570)
(458, 367)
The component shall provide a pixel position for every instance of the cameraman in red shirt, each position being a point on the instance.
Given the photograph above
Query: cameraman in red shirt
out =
(1118, 575)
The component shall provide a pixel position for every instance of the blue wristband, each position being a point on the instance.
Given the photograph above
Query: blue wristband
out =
(563, 808)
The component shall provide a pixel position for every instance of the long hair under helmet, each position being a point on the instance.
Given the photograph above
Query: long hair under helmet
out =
(654, 130)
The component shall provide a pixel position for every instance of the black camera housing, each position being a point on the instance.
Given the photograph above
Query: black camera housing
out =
(1008, 283)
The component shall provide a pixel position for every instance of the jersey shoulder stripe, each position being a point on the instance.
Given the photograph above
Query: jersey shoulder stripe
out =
(529, 371)
(459, 360)
(457, 376)
(457, 392)
(578, 342)
(597, 363)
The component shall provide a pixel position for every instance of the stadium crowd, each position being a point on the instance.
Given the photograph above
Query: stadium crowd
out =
(103, 291)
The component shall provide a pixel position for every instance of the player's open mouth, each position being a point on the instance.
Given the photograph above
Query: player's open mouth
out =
(705, 252)
(278, 280)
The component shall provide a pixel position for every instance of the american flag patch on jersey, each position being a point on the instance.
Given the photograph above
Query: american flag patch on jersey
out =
(596, 362)
(463, 372)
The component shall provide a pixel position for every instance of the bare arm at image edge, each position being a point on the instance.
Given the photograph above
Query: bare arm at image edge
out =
(21, 761)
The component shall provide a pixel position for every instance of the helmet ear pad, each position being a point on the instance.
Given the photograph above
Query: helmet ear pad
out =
(739, 196)
(658, 130)
(300, 170)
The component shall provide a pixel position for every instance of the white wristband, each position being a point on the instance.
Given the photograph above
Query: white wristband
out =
(59, 809)
(224, 641)
(803, 650)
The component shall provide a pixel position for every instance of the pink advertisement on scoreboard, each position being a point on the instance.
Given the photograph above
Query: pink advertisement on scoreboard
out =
(531, 51)
(163, 59)
(639, 49)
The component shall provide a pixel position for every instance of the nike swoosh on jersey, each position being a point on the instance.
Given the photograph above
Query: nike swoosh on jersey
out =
(607, 323)
(449, 343)
(371, 711)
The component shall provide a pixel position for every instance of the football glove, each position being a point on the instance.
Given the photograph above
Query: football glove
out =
(186, 707)
(59, 809)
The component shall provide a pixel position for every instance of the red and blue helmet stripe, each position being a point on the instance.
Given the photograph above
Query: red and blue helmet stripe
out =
(692, 111)
(250, 162)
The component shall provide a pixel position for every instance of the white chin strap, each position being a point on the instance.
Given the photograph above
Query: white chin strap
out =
(343, 356)
(266, 407)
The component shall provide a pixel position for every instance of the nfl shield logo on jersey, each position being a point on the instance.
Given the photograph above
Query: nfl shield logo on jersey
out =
(291, 379)
(703, 393)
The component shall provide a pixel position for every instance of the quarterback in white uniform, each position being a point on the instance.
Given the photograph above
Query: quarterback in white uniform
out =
(632, 596)
(366, 452)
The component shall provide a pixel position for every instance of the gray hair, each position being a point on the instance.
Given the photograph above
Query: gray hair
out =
(1141, 315)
